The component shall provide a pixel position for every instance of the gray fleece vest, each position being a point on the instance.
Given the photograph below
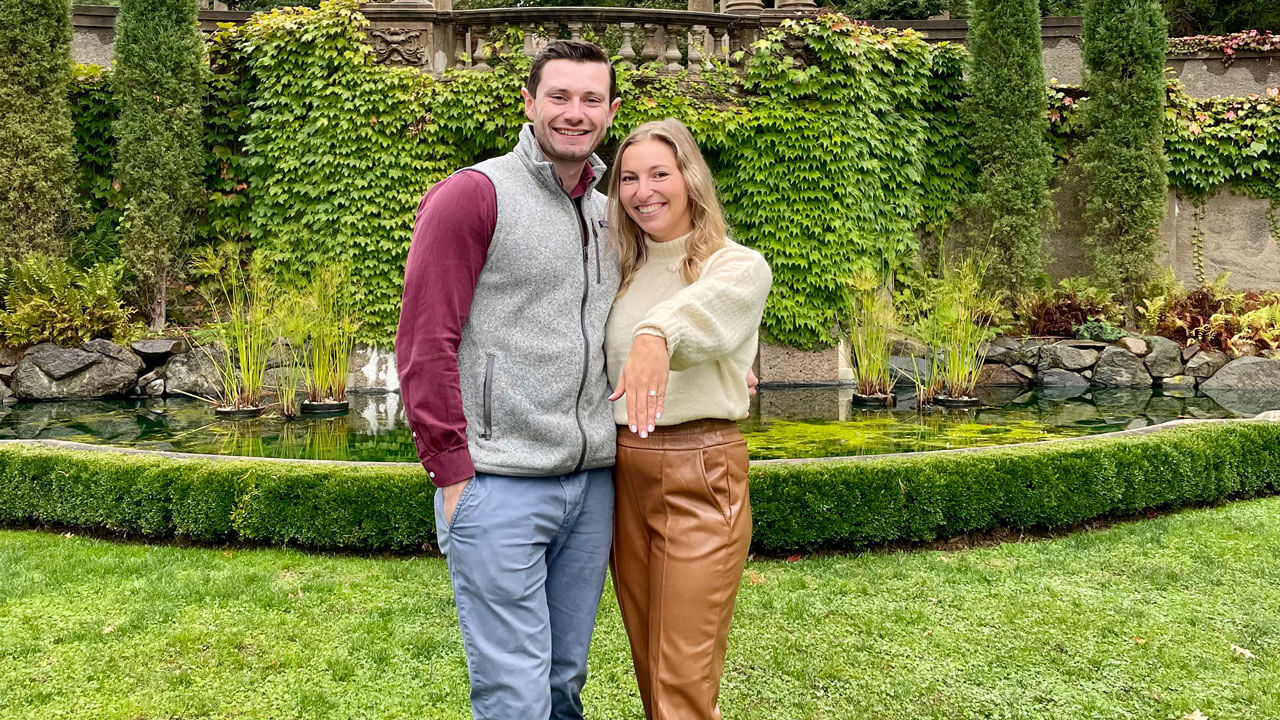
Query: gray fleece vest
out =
(531, 358)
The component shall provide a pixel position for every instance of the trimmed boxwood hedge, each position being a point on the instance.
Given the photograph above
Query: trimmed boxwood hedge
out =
(833, 504)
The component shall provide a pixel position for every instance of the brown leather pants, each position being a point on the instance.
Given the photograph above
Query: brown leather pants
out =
(681, 531)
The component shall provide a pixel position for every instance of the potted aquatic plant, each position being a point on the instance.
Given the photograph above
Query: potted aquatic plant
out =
(872, 319)
(331, 341)
(961, 318)
(292, 326)
(238, 340)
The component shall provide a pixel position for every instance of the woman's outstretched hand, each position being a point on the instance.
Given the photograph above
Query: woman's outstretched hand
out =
(644, 382)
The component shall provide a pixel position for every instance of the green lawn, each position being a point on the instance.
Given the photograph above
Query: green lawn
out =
(1138, 621)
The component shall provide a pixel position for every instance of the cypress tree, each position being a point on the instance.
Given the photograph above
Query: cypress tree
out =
(1122, 157)
(38, 209)
(159, 86)
(1007, 108)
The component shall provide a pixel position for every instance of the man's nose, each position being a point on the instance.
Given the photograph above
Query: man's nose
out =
(576, 111)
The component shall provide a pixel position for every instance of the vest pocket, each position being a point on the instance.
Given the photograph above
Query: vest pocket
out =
(487, 432)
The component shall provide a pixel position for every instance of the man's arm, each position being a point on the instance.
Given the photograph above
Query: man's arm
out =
(451, 237)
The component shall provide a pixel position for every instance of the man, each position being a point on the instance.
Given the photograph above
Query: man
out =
(500, 353)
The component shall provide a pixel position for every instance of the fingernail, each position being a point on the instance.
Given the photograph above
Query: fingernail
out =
(650, 427)
(633, 428)
(644, 434)
(658, 415)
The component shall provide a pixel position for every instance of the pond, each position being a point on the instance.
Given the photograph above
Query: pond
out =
(784, 423)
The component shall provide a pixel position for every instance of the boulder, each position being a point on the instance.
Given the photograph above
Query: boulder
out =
(904, 345)
(155, 388)
(1178, 382)
(1206, 362)
(1246, 373)
(157, 350)
(1025, 371)
(999, 374)
(1135, 345)
(1056, 377)
(1083, 344)
(6, 395)
(1269, 416)
(57, 362)
(101, 369)
(1003, 350)
(109, 349)
(149, 378)
(1119, 368)
(1164, 358)
(191, 373)
(10, 355)
(1031, 352)
(6, 373)
(1189, 352)
(1065, 357)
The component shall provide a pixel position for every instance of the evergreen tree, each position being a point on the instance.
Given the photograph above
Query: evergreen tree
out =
(1007, 110)
(1122, 158)
(159, 86)
(38, 210)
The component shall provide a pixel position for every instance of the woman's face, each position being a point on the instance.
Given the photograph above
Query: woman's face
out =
(652, 190)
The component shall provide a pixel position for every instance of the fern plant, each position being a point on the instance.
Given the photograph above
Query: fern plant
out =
(47, 299)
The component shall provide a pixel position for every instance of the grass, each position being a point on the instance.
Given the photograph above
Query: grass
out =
(1137, 621)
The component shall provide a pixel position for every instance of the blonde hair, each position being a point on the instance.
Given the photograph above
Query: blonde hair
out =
(709, 227)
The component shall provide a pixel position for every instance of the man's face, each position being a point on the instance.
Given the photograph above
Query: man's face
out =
(572, 111)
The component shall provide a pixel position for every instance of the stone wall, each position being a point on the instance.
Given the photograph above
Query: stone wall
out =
(1226, 233)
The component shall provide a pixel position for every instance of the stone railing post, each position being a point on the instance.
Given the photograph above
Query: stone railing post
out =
(404, 32)
(742, 7)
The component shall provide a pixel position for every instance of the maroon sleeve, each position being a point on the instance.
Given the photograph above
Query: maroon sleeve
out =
(451, 237)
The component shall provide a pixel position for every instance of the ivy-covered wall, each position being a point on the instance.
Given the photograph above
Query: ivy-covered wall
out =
(318, 155)
(832, 151)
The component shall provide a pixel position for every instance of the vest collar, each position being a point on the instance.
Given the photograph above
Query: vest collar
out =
(528, 150)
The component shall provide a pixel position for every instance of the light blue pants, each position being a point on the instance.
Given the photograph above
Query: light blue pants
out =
(527, 558)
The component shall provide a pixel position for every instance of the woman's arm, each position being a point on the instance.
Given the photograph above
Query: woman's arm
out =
(715, 314)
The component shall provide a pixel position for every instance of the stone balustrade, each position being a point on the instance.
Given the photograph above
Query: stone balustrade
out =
(670, 40)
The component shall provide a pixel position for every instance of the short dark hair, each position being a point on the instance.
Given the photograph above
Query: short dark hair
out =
(579, 50)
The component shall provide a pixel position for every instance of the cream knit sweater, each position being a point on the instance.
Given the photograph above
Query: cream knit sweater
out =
(711, 327)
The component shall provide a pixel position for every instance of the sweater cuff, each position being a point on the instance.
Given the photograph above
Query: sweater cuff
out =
(655, 331)
(450, 467)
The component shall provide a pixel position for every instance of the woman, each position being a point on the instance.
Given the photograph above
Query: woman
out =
(679, 346)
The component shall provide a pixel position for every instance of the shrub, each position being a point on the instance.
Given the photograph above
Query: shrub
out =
(1122, 158)
(38, 209)
(159, 87)
(1006, 109)
(831, 504)
(50, 300)
(1058, 311)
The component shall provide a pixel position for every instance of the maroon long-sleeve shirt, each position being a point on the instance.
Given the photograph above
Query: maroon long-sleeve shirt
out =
(451, 237)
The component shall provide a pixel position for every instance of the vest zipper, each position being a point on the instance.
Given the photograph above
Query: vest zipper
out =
(586, 340)
(595, 237)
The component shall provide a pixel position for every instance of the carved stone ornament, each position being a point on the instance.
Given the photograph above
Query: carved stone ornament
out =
(398, 47)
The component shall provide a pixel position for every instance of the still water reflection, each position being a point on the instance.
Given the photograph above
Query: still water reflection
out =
(805, 422)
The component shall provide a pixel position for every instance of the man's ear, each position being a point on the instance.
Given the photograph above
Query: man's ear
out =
(613, 108)
(528, 103)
